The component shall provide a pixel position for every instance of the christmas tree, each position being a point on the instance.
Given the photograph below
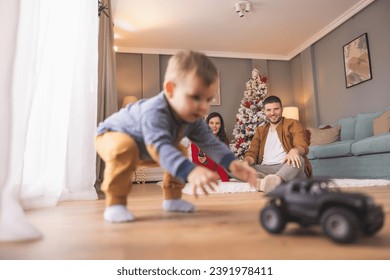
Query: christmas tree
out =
(250, 114)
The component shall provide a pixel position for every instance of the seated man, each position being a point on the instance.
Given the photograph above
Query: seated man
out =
(278, 149)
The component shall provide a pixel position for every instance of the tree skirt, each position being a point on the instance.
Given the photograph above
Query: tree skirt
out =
(236, 186)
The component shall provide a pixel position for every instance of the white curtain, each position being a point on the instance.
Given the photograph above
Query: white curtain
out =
(48, 108)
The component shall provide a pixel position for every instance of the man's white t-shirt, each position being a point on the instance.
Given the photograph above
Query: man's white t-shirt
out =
(273, 150)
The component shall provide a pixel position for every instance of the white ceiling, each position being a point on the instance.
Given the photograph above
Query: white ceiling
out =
(274, 29)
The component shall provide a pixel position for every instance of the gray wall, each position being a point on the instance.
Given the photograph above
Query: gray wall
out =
(331, 98)
(234, 73)
(128, 76)
(305, 87)
(280, 82)
(138, 75)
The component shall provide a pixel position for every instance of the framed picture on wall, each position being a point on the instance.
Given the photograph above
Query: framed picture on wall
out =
(217, 98)
(357, 64)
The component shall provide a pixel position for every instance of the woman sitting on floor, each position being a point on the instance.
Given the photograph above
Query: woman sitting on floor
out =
(216, 124)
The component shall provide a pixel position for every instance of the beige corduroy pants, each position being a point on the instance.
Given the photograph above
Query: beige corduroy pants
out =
(120, 154)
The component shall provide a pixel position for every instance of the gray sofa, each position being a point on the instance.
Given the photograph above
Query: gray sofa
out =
(358, 154)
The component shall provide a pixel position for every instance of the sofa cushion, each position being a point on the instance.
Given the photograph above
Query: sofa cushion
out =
(310, 154)
(372, 145)
(364, 126)
(308, 134)
(336, 149)
(381, 124)
(347, 131)
(320, 136)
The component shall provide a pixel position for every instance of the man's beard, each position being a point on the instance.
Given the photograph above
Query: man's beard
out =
(275, 122)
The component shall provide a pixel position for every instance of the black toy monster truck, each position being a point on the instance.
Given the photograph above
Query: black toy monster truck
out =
(311, 202)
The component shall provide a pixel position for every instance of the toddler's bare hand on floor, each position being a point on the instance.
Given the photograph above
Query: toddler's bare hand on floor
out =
(204, 179)
(243, 172)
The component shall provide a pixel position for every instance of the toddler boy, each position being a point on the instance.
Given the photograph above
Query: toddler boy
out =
(149, 131)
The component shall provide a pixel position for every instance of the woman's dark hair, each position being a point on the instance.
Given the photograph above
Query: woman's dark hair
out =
(221, 133)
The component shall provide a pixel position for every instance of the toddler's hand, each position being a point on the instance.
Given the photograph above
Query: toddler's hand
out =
(243, 172)
(202, 178)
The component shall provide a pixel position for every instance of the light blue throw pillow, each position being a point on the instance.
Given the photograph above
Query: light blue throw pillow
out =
(364, 128)
(347, 130)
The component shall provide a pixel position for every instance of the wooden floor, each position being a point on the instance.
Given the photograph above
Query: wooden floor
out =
(224, 227)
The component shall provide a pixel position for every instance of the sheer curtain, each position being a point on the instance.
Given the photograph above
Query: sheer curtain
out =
(49, 99)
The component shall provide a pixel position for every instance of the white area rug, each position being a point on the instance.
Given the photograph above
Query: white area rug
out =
(223, 187)
(235, 186)
(361, 182)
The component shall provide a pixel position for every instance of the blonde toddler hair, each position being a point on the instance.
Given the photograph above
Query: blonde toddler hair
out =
(190, 62)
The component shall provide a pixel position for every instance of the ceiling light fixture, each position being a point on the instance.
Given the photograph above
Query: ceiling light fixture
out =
(242, 7)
